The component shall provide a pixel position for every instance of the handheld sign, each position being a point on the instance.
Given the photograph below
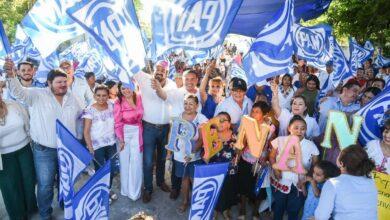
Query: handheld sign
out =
(255, 134)
(338, 122)
(291, 151)
(211, 143)
(180, 130)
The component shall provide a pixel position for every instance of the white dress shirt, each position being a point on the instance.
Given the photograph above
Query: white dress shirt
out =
(44, 109)
(230, 106)
(81, 90)
(156, 110)
(175, 97)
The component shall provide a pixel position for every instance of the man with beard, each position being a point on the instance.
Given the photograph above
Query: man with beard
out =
(45, 106)
(78, 86)
(155, 123)
(26, 74)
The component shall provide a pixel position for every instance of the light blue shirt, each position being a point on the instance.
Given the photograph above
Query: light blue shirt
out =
(334, 103)
(348, 197)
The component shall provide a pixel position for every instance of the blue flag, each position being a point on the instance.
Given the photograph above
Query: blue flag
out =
(381, 60)
(358, 55)
(92, 201)
(208, 181)
(191, 24)
(48, 25)
(73, 158)
(114, 25)
(340, 64)
(270, 54)
(373, 113)
(237, 71)
(46, 64)
(5, 48)
(369, 46)
(23, 47)
(313, 44)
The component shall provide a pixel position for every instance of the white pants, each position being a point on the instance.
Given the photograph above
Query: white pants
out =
(131, 164)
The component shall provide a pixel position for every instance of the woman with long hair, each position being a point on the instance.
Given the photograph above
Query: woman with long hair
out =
(128, 112)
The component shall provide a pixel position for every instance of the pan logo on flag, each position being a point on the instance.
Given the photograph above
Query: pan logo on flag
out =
(53, 22)
(66, 166)
(111, 23)
(94, 203)
(311, 41)
(204, 195)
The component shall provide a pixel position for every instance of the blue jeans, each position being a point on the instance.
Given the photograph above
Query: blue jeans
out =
(155, 138)
(291, 202)
(102, 155)
(46, 169)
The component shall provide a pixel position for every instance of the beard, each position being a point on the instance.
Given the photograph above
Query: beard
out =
(159, 77)
(58, 92)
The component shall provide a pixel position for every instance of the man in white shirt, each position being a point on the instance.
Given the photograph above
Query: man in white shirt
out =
(175, 98)
(46, 105)
(78, 86)
(155, 126)
(326, 79)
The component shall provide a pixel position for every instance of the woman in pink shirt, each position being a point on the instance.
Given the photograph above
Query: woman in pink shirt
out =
(128, 112)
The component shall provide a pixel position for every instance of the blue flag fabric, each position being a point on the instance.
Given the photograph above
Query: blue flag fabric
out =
(340, 64)
(369, 46)
(5, 48)
(373, 113)
(381, 60)
(92, 201)
(23, 47)
(358, 55)
(270, 54)
(237, 71)
(114, 25)
(208, 181)
(73, 158)
(313, 44)
(48, 25)
(191, 24)
(46, 64)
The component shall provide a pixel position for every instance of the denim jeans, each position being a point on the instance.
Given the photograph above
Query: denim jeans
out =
(46, 169)
(155, 139)
(102, 155)
(291, 202)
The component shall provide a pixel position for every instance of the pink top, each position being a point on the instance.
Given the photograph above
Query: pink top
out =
(124, 114)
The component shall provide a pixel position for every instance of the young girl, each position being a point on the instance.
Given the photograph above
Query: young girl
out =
(128, 112)
(211, 99)
(247, 164)
(379, 150)
(184, 164)
(99, 131)
(287, 195)
(322, 171)
(228, 194)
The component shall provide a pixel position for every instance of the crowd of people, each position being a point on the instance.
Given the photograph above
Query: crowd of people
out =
(108, 116)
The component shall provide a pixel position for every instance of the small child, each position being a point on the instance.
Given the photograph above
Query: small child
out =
(287, 185)
(322, 171)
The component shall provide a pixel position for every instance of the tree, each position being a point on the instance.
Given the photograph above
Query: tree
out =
(362, 19)
(12, 12)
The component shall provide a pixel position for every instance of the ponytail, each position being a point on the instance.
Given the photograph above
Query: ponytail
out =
(356, 162)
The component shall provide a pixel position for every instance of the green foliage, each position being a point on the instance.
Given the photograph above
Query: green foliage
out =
(362, 19)
(12, 12)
